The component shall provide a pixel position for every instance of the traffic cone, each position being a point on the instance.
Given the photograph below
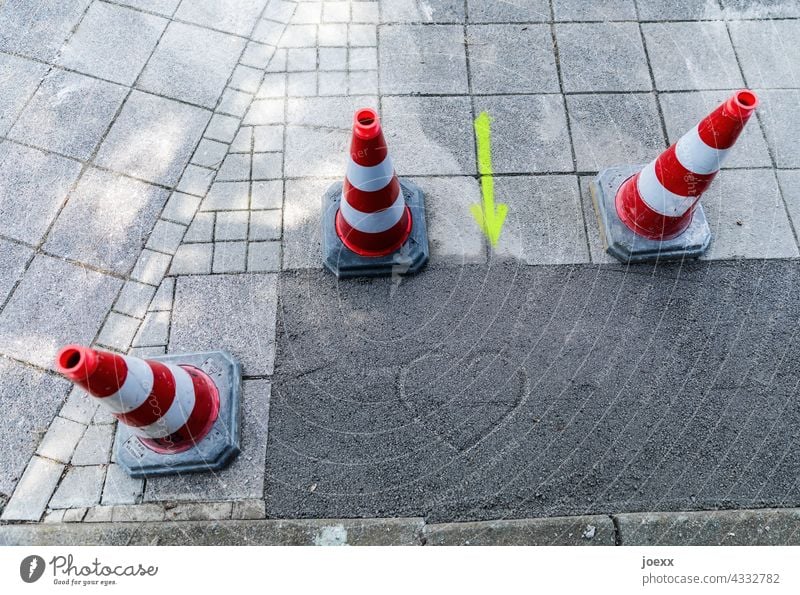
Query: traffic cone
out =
(378, 221)
(658, 206)
(168, 408)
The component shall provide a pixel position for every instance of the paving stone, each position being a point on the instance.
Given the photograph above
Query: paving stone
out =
(364, 12)
(489, 11)
(332, 35)
(789, 181)
(512, 59)
(298, 36)
(267, 138)
(682, 112)
(112, 42)
(302, 223)
(234, 16)
(210, 153)
(363, 35)
(227, 196)
(599, 10)
(166, 236)
(231, 226)
(199, 511)
(265, 111)
(196, 180)
(26, 75)
(363, 59)
(234, 102)
(192, 259)
(308, 13)
(265, 225)
(688, 56)
(244, 478)
(423, 59)
(362, 83)
(760, 9)
(430, 135)
(781, 132)
(81, 486)
(118, 331)
(315, 152)
(591, 57)
(106, 220)
(264, 257)
(246, 79)
(243, 143)
(278, 61)
(222, 128)
(54, 516)
(201, 229)
(280, 10)
(235, 167)
(267, 195)
(13, 259)
(230, 257)
(60, 440)
(613, 129)
(137, 513)
(332, 58)
(153, 138)
(79, 407)
(747, 216)
(191, 64)
(597, 253)
(257, 55)
(56, 303)
(74, 515)
(33, 491)
(249, 510)
(273, 85)
(33, 186)
(453, 235)
(146, 352)
(683, 10)
(302, 84)
(268, 32)
(201, 318)
(335, 12)
(151, 267)
(164, 7)
(134, 298)
(54, 22)
(99, 514)
(95, 446)
(68, 114)
(327, 112)
(267, 166)
(120, 488)
(573, 531)
(529, 133)
(154, 330)
(163, 298)
(768, 56)
(299, 59)
(431, 11)
(103, 416)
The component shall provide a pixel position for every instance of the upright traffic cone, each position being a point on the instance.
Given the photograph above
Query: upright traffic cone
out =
(653, 212)
(174, 416)
(374, 223)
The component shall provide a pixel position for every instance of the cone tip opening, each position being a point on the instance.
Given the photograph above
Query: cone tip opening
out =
(746, 99)
(74, 361)
(366, 123)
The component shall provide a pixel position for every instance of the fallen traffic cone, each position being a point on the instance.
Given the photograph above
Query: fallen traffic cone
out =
(174, 416)
(654, 212)
(374, 223)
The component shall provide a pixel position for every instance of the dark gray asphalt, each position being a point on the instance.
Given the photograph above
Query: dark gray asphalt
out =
(506, 391)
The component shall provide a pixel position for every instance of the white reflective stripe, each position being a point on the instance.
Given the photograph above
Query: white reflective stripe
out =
(134, 391)
(374, 222)
(178, 413)
(659, 198)
(370, 179)
(696, 156)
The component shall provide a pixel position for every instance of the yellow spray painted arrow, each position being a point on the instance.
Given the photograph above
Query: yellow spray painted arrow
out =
(490, 216)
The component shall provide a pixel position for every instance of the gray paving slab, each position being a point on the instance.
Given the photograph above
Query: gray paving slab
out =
(233, 16)
(118, 331)
(153, 138)
(26, 75)
(34, 185)
(268, 32)
(612, 129)
(227, 196)
(196, 180)
(760, 9)
(166, 236)
(201, 230)
(198, 511)
(688, 56)
(79, 406)
(257, 55)
(13, 260)
(781, 132)
(163, 298)
(192, 259)
(68, 114)
(511, 59)
(246, 78)
(202, 320)
(332, 34)
(365, 12)
(244, 478)
(134, 298)
(248, 510)
(56, 303)
(679, 10)
(530, 403)
(265, 225)
(578, 530)
(163, 7)
(789, 181)
(234, 102)
(298, 36)
(264, 257)
(599, 10)
(316, 151)
(267, 138)
(280, 10)
(235, 167)
(265, 111)
(231, 225)
(38, 29)
(151, 267)
(138, 513)
(766, 52)
(191, 64)
(267, 166)
(243, 142)
(95, 446)
(81, 486)
(302, 84)
(365, 83)
(119, 488)
(363, 58)
(229, 257)
(529, 133)
(431, 11)
(302, 224)
(301, 59)
(602, 57)
(106, 221)
(112, 42)
(61, 439)
(33, 491)
(422, 59)
(210, 153)
(222, 128)
(488, 11)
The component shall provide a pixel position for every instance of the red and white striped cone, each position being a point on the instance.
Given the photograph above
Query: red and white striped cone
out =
(659, 202)
(170, 408)
(373, 219)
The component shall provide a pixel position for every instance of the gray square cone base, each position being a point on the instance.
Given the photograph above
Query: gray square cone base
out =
(342, 262)
(219, 447)
(626, 246)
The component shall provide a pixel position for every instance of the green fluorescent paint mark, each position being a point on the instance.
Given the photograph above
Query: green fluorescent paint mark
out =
(490, 216)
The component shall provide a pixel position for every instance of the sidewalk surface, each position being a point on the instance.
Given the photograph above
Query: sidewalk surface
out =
(163, 163)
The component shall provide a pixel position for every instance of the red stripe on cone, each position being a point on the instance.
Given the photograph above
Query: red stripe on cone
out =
(370, 202)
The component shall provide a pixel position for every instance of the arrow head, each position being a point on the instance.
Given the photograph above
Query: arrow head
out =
(491, 221)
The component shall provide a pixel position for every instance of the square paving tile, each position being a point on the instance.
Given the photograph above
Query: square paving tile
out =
(768, 51)
(106, 221)
(602, 57)
(166, 236)
(687, 56)
(760, 9)
(430, 135)
(68, 114)
(227, 196)
(682, 112)
(196, 180)
(192, 64)
(422, 59)
(234, 16)
(192, 259)
(164, 7)
(56, 303)
(789, 181)
(514, 11)
(614, 129)
(34, 490)
(19, 78)
(512, 59)
(596, 10)
(230, 257)
(302, 223)
(264, 257)
(153, 138)
(231, 312)
(679, 10)
(13, 260)
(430, 11)
(33, 186)
(112, 42)
(81, 486)
(38, 29)
(315, 151)
(782, 132)
(529, 133)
